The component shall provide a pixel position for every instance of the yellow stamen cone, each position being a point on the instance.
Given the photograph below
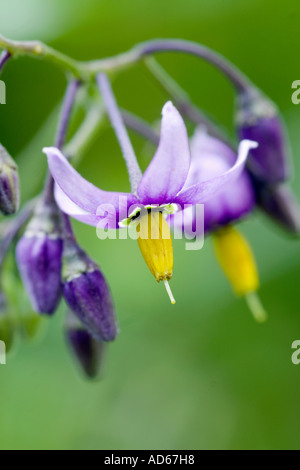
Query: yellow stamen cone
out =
(237, 261)
(155, 243)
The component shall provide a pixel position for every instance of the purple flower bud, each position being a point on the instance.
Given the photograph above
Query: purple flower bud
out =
(87, 293)
(279, 203)
(39, 258)
(258, 119)
(9, 183)
(88, 351)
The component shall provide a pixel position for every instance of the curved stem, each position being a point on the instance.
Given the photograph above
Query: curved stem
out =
(237, 78)
(115, 116)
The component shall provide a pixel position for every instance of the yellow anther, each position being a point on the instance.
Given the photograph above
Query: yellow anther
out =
(155, 242)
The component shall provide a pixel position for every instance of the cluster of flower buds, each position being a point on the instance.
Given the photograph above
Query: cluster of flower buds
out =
(52, 265)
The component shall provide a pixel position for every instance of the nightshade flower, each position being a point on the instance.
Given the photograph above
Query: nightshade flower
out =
(210, 158)
(161, 190)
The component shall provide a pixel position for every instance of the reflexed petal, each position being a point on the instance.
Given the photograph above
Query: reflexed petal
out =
(80, 192)
(168, 170)
(204, 190)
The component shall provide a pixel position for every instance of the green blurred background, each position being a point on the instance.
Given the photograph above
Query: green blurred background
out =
(201, 374)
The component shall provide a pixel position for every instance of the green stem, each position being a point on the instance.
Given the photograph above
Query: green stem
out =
(148, 48)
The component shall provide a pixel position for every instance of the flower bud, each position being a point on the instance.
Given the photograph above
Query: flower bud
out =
(279, 203)
(39, 258)
(88, 352)
(9, 183)
(258, 119)
(87, 293)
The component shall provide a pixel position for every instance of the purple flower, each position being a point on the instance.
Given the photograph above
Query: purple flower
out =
(87, 294)
(9, 183)
(211, 158)
(258, 119)
(86, 349)
(163, 185)
(39, 254)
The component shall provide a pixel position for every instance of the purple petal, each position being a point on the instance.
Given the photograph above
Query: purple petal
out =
(80, 191)
(70, 208)
(204, 190)
(168, 170)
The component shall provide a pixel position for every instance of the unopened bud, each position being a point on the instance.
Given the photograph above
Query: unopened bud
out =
(155, 243)
(279, 203)
(39, 258)
(87, 293)
(88, 352)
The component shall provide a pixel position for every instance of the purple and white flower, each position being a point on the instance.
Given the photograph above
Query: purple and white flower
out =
(164, 183)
